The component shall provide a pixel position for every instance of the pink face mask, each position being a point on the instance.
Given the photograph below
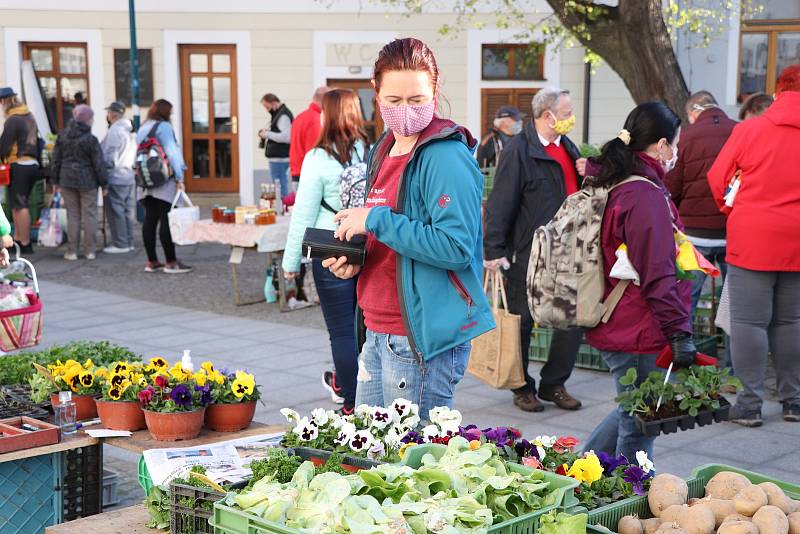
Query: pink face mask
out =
(408, 120)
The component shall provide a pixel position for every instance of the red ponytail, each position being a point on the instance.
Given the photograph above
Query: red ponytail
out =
(406, 54)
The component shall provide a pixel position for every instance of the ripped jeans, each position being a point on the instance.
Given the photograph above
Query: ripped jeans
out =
(388, 369)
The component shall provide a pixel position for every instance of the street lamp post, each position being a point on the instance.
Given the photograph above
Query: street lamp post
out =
(134, 62)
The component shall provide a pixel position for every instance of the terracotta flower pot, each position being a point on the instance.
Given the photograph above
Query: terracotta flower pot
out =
(85, 406)
(230, 417)
(121, 415)
(174, 426)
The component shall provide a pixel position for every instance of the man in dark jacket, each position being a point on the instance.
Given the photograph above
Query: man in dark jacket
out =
(276, 140)
(19, 146)
(535, 175)
(78, 170)
(700, 143)
(507, 123)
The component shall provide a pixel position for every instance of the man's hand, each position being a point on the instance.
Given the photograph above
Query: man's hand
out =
(290, 275)
(181, 186)
(8, 241)
(497, 264)
(262, 133)
(340, 268)
(352, 222)
(580, 166)
(4, 257)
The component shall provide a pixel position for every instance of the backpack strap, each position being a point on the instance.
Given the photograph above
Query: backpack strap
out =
(153, 129)
(327, 206)
(613, 299)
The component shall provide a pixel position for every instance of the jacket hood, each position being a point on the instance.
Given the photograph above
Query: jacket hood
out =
(19, 110)
(77, 129)
(785, 111)
(124, 124)
(709, 115)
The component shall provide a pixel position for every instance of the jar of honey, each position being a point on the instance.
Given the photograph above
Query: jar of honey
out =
(261, 217)
(272, 217)
(229, 217)
(217, 213)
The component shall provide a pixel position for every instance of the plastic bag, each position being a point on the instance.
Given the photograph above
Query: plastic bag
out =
(623, 268)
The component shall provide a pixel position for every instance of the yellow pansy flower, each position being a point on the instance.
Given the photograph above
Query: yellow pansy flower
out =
(200, 378)
(243, 385)
(208, 367)
(179, 373)
(86, 379)
(121, 368)
(116, 392)
(587, 469)
(217, 377)
(88, 364)
(157, 364)
(102, 372)
(117, 379)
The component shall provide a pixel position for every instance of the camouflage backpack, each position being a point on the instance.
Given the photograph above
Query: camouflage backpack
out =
(566, 283)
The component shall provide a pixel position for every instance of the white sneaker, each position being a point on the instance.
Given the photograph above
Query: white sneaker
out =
(116, 250)
(90, 256)
(71, 256)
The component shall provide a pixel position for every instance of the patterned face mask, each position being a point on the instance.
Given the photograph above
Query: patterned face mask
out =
(563, 126)
(407, 120)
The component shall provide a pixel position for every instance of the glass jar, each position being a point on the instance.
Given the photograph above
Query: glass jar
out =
(272, 217)
(229, 217)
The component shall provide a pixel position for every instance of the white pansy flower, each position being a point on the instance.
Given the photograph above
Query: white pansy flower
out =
(346, 432)
(545, 441)
(394, 436)
(644, 462)
(361, 441)
(400, 408)
(363, 410)
(381, 417)
(306, 430)
(291, 415)
(442, 415)
(430, 432)
(449, 428)
(319, 416)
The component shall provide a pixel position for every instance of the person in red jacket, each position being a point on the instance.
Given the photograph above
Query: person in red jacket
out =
(764, 249)
(305, 131)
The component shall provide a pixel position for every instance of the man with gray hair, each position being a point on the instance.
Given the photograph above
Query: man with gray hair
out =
(119, 152)
(534, 176)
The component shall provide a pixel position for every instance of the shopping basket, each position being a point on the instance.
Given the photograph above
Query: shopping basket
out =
(22, 327)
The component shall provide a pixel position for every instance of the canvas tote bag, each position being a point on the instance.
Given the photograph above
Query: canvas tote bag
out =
(180, 219)
(495, 357)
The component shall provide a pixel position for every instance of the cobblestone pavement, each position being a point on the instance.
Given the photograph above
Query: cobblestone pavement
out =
(288, 353)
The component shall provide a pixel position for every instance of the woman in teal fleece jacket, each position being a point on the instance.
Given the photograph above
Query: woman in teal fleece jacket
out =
(342, 133)
(5, 236)
(420, 290)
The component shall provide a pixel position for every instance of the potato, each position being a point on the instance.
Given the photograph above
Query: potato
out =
(777, 497)
(651, 525)
(720, 507)
(670, 528)
(630, 524)
(666, 490)
(794, 523)
(674, 513)
(699, 519)
(737, 517)
(725, 485)
(771, 520)
(738, 527)
(750, 499)
(693, 501)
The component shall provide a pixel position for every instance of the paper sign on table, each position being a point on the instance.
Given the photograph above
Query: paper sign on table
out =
(105, 433)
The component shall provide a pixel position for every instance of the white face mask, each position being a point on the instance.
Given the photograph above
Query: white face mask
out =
(516, 128)
(670, 163)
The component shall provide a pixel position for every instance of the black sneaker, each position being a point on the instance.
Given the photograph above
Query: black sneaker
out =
(791, 412)
(177, 267)
(329, 383)
(749, 419)
(24, 249)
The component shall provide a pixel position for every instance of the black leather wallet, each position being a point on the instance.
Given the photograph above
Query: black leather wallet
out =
(320, 244)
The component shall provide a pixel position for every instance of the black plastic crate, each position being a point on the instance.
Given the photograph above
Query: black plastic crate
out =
(21, 393)
(191, 507)
(82, 482)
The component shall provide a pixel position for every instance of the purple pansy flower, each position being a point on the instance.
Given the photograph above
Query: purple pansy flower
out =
(181, 395)
(610, 462)
(500, 435)
(412, 437)
(525, 448)
(205, 394)
(470, 432)
(636, 476)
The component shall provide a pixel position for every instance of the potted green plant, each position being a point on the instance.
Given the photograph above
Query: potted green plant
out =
(174, 404)
(118, 406)
(77, 378)
(233, 397)
(692, 399)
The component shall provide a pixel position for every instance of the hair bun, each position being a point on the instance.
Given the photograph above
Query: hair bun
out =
(624, 136)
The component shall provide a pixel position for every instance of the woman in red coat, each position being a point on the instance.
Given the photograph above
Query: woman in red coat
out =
(764, 249)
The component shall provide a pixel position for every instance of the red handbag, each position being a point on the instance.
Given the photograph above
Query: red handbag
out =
(5, 174)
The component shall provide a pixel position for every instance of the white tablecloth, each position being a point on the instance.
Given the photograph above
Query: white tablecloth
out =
(266, 238)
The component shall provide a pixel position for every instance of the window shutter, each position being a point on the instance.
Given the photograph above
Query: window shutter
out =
(492, 99)
(523, 99)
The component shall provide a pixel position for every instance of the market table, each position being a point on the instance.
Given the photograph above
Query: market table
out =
(130, 520)
(45, 485)
(269, 239)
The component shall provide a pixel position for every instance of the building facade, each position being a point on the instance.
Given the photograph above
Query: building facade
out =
(215, 60)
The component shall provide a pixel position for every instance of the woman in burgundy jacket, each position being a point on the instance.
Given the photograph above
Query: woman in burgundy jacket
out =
(764, 250)
(655, 312)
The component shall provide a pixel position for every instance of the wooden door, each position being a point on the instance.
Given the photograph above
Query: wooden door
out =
(210, 118)
(491, 99)
(373, 123)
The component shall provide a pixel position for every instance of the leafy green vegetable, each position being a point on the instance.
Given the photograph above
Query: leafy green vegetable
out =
(278, 465)
(332, 465)
(157, 503)
(562, 523)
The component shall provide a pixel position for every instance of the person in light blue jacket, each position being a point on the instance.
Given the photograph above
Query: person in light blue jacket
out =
(342, 143)
(157, 201)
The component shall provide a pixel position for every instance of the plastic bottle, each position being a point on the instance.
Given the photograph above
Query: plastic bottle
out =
(186, 360)
(270, 295)
(65, 413)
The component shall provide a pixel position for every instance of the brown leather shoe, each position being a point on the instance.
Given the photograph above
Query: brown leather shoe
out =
(528, 402)
(560, 397)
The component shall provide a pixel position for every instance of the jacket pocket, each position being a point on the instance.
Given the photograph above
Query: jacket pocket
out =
(462, 291)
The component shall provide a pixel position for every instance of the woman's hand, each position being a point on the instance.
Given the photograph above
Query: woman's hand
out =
(340, 268)
(290, 275)
(181, 186)
(580, 166)
(8, 241)
(352, 222)
(4, 257)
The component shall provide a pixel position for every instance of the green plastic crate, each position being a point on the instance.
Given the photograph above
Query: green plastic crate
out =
(144, 476)
(608, 516)
(588, 357)
(228, 520)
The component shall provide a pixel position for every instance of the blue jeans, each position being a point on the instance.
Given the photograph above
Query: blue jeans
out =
(119, 206)
(388, 369)
(279, 171)
(618, 433)
(337, 298)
